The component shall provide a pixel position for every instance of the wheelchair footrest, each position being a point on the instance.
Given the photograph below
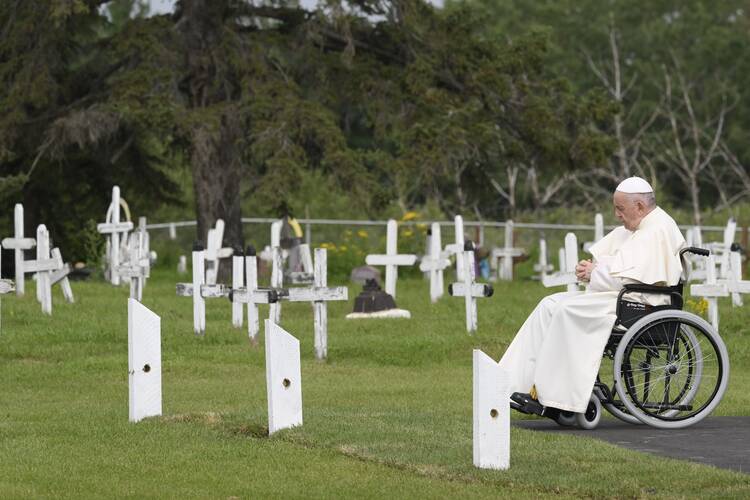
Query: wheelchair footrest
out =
(526, 404)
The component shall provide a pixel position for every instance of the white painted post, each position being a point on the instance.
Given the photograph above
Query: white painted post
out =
(251, 270)
(43, 285)
(320, 307)
(506, 254)
(469, 289)
(491, 429)
(277, 281)
(61, 275)
(172, 232)
(542, 267)
(568, 261)
(283, 378)
(238, 281)
(276, 233)
(598, 232)
(391, 260)
(144, 362)
(213, 246)
(458, 224)
(434, 263)
(729, 233)
(182, 265)
(19, 243)
(735, 277)
(113, 227)
(711, 290)
(561, 260)
(199, 274)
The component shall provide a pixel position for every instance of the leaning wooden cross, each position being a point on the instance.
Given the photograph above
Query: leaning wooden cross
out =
(50, 270)
(18, 243)
(114, 228)
(215, 252)
(470, 290)
(568, 276)
(506, 254)
(435, 263)
(391, 260)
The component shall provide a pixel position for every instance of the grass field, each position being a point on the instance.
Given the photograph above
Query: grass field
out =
(387, 415)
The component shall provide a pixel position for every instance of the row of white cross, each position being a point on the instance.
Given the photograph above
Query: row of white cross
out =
(491, 412)
(48, 265)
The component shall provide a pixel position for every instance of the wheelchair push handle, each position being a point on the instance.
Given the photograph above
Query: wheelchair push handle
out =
(696, 250)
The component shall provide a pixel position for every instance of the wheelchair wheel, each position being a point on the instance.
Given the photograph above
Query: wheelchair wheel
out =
(566, 419)
(590, 418)
(671, 369)
(616, 407)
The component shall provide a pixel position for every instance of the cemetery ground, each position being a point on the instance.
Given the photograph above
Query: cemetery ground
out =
(387, 415)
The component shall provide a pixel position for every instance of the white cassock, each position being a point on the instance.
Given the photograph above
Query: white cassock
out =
(559, 348)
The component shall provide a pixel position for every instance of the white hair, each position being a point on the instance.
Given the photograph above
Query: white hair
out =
(648, 199)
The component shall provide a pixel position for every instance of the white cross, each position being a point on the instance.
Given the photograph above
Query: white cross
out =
(251, 295)
(734, 282)
(696, 264)
(457, 247)
(306, 275)
(113, 227)
(50, 270)
(506, 254)
(711, 290)
(566, 276)
(138, 267)
(434, 263)
(214, 251)
(391, 260)
(542, 267)
(598, 232)
(18, 243)
(469, 289)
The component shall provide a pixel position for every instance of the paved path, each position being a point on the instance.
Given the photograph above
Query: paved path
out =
(719, 441)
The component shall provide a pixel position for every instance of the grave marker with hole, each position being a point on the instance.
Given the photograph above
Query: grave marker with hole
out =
(283, 379)
(567, 276)
(391, 260)
(18, 243)
(470, 290)
(435, 263)
(491, 429)
(144, 362)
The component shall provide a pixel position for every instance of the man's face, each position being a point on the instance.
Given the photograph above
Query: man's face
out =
(628, 211)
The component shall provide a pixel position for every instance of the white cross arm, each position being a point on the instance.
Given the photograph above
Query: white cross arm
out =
(19, 243)
(453, 248)
(6, 286)
(539, 267)
(259, 296)
(506, 252)
(207, 291)
(477, 290)
(121, 227)
(39, 266)
(127, 271)
(316, 294)
(736, 286)
(60, 274)
(428, 264)
(385, 260)
(709, 290)
(224, 253)
(560, 279)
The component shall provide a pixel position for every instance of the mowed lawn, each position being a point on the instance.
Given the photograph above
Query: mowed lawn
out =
(387, 415)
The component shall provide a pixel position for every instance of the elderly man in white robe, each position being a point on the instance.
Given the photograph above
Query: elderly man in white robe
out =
(554, 359)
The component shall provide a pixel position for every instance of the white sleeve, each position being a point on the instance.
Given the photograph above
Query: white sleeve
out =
(602, 281)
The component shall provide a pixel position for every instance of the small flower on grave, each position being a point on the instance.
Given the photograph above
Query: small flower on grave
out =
(698, 306)
(410, 216)
(422, 227)
(328, 246)
(362, 233)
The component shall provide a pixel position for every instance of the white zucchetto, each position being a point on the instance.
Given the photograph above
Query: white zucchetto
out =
(634, 185)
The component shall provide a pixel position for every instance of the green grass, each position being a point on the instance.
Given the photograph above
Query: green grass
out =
(387, 415)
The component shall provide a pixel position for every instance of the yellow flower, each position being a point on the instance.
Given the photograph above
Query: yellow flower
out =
(409, 216)
(362, 233)
(329, 246)
(408, 233)
(422, 226)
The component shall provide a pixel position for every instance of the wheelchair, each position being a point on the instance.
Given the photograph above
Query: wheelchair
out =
(662, 366)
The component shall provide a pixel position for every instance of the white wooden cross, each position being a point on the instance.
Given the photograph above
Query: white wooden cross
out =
(711, 290)
(277, 281)
(18, 243)
(542, 267)
(491, 429)
(305, 276)
(470, 290)
(391, 260)
(724, 249)
(734, 283)
(215, 252)
(598, 232)
(251, 294)
(697, 264)
(182, 265)
(457, 247)
(506, 254)
(50, 270)
(283, 378)
(6, 286)
(566, 276)
(114, 228)
(434, 263)
(137, 268)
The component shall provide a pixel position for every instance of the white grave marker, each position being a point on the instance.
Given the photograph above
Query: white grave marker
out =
(277, 281)
(114, 228)
(568, 276)
(598, 232)
(491, 430)
(542, 267)
(283, 379)
(457, 247)
(470, 290)
(391, 260)
(506, 254)
(50, 270)
(238, 281)
(711, 290)
(144, 361)
(215, 252)
(182, 265)
(18, 243)
(434, 263)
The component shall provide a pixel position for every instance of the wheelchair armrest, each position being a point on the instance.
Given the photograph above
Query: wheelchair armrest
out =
(674, 292)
